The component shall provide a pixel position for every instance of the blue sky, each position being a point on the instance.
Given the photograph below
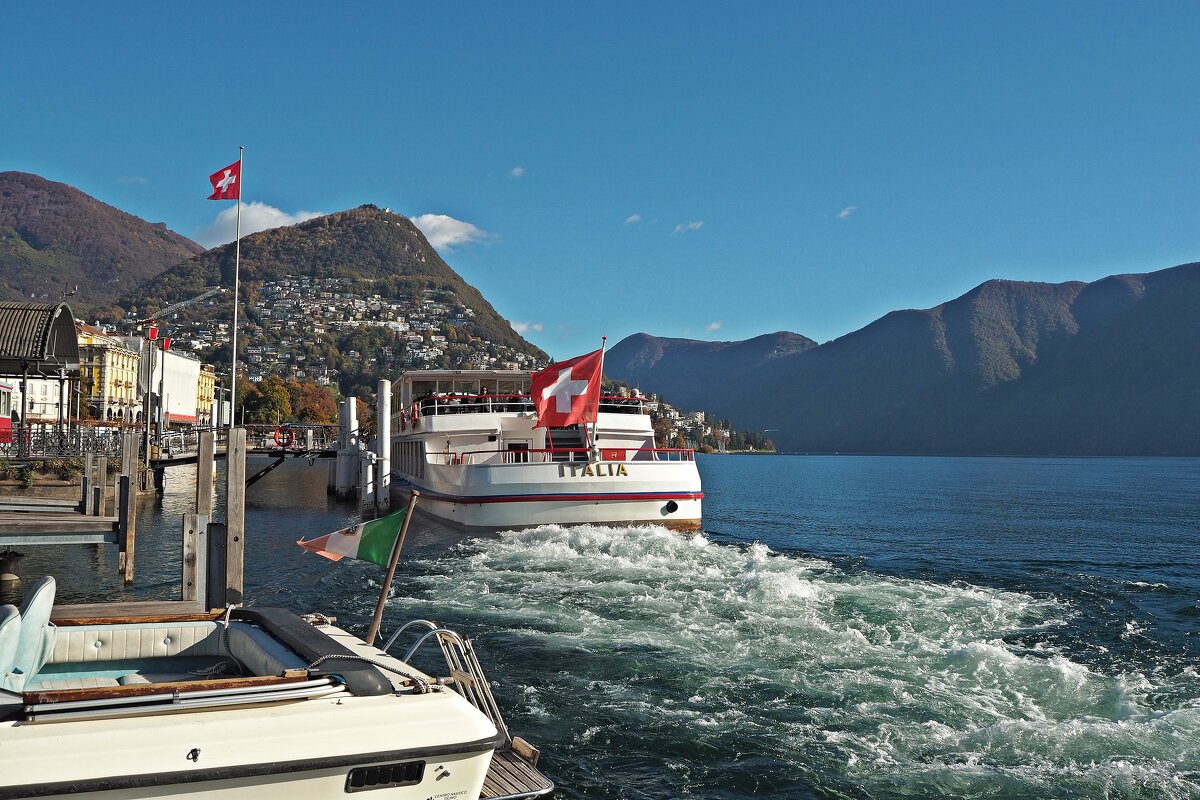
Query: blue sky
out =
(705, 170)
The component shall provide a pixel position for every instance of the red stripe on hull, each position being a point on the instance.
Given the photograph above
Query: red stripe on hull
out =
(553, 498)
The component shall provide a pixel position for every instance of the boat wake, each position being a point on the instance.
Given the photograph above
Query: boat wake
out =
(749, 672)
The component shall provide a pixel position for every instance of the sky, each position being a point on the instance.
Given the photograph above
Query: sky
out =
(703, 170)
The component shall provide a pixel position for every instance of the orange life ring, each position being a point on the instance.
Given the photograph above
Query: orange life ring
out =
(284, 437)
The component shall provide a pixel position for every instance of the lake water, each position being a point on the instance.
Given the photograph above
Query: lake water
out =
(846, 627)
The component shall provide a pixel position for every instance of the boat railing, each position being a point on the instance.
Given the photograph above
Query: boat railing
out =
(440, 404)
(560, 455)
(174, 699)
(466, 673)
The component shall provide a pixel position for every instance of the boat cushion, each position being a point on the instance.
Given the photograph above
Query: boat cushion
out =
(38, 633)
(163, 652)
(82, 682)
(87, 643)
(260, 653)
(10, 634)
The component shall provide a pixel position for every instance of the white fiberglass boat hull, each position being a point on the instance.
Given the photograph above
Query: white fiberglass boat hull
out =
(320, 739)
(575, 493)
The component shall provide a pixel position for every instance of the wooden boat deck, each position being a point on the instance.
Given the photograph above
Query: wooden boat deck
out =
(511, 776)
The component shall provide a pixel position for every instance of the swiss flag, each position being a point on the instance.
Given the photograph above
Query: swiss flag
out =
(568, 392)
(227, 182)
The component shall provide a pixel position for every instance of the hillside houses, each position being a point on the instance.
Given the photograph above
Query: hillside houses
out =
(289, 319)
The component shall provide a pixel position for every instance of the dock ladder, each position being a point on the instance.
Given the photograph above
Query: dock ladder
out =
(513, 772)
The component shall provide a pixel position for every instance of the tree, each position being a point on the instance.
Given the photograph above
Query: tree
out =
(311, 403)
(269, 403)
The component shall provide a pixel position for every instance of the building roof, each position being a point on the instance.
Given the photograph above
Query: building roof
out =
(38, 339)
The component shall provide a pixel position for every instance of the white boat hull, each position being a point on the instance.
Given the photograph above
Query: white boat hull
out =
(506, 496)
(105, 743)
(469, 442)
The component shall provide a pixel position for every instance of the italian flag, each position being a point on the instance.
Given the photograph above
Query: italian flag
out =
(370, 541)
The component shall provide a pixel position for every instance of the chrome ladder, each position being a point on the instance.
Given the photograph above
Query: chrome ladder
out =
(512, 774)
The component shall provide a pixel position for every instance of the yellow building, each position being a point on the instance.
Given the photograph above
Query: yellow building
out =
(206, 389)
(108, 376)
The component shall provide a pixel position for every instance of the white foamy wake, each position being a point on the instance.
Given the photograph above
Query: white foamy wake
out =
(733, 664)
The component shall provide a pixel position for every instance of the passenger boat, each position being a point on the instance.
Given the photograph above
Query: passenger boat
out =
(468, 441)
(246, 703)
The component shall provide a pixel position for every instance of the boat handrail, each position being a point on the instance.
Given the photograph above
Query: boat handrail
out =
(175, 699)
(468, 403)
(464, 667)
(546, 455)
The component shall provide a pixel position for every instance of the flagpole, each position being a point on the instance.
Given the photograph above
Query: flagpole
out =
(596, 422)
(237, 263)
(377, 620)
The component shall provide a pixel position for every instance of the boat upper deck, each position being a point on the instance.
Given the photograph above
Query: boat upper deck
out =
(431, 393)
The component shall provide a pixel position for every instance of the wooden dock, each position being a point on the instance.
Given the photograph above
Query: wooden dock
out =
(33, 528)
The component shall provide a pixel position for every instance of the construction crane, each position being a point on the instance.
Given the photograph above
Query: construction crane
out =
(182, 304)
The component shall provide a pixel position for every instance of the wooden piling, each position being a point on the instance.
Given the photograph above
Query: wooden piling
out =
(101, 481)
(195, 550)
(205, 466)
(85, 481)
(235, 515)
(128, 506)
(215, 595)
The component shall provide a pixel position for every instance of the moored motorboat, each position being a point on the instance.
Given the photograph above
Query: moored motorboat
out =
(244, 703)
(470, 442)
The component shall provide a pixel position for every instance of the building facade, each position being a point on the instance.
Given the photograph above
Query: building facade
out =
(109, 379)
(206, 390)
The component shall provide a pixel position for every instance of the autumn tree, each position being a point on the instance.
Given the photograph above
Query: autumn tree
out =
(311, 403)
(269, 403)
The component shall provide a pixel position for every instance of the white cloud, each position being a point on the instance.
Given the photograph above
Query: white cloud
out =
(633, 218)
(684, 227)
(714, 326)
(526, 327)
(447, 233)
(846, 212)
(516, 172)
(255, 217)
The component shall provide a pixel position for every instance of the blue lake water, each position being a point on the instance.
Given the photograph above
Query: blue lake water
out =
(846, 627)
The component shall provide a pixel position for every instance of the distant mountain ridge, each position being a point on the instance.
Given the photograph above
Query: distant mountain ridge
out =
(673, 365)
(53, 235)
(1104, 368)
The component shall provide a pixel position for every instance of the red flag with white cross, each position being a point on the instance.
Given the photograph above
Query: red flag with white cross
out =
(227, 182)
(568, 392)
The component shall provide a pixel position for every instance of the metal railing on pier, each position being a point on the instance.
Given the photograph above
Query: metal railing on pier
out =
(46, 441)
(42, 442)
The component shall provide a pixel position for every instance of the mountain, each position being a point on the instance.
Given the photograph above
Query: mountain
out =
(367, 245)
(671, 367)
(53, 235)
(348, 291)
(1104, 368)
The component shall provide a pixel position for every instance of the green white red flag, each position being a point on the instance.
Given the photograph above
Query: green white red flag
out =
(370, 541)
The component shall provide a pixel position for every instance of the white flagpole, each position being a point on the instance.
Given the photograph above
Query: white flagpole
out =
(596, 422)
(237, 263)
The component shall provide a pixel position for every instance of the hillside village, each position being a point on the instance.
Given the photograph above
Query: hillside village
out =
(294, 325)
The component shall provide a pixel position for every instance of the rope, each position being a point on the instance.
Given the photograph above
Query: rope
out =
(419, 684)
(225, 642)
